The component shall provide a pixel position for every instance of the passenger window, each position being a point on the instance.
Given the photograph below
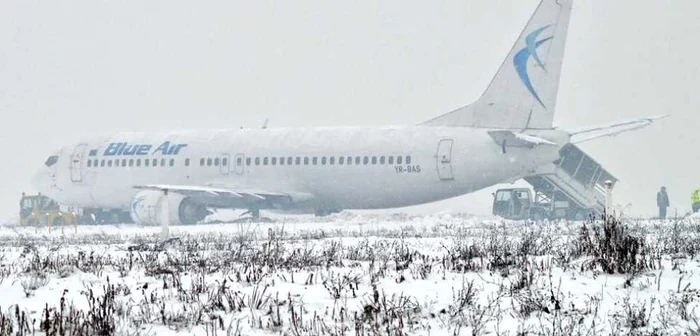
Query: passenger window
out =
(257, 161)
(216, 161)
(332, 160)
(297, 161)
(201, 162)
(306, 160)
(239, 161)
(172, 162)
(314, 161)
(408, 160)
(102, 163)
(224, 162)
(391, 160)
(162, 162)
(265, 161)
(274, 161)
(109, 163)
(131, 162)
(146, 162)
(138, 162)
(247, 161)
(323, 160)
(349, 160)
(381, 160)
(123, 162)
(374, 160)
(187, 162)
(281, 161)
(399, 159)
(341, 160)
(116, 163)
(289, 160)
(357, 160)
(365, 160)
(209, 161)
(89, 163)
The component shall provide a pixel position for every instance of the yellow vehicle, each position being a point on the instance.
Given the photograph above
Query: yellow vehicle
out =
(41, 210)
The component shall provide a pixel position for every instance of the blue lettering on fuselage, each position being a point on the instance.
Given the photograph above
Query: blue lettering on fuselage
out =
(124, 148)
(167, 149)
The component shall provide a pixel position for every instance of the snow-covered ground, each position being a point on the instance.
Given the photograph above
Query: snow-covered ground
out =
(346, 274)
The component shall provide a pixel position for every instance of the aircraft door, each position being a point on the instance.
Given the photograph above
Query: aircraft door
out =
(76, 163)
(444, 160)
(224, 164)
(240, 158)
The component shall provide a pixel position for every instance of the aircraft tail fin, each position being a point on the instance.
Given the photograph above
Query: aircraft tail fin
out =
(523, 93)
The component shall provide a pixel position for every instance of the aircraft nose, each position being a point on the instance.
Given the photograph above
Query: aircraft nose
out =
(42, 180)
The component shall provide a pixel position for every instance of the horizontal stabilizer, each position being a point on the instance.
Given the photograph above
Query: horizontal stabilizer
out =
(611, 129)
(506, 138)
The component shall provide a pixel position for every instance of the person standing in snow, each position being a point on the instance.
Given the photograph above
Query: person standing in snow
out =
(662, 202)
(695, 200)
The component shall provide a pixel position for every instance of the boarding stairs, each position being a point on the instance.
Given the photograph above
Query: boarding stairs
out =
(574, 185)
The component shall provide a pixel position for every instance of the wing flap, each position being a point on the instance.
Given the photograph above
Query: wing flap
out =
(216, 191)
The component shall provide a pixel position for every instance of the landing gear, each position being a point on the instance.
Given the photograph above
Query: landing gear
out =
(254, 217)
(326, 212)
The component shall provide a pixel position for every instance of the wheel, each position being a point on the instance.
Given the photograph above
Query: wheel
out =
(580, 215)
(538, 216)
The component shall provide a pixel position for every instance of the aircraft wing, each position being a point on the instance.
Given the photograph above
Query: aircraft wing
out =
(236, 192)
(611, 129)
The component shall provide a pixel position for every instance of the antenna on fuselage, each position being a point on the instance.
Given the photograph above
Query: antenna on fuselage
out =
(264, 126)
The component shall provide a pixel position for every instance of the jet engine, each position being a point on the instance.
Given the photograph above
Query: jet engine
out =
(147, 209)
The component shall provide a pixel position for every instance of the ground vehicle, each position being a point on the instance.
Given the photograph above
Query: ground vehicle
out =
(39, 209)
(520, 203)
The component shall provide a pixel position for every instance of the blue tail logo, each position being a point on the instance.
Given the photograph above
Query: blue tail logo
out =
(521, 58)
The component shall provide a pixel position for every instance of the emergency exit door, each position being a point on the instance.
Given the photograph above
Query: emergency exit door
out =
(76, 163)
(224, 165)
(444, 160)
(239, 163)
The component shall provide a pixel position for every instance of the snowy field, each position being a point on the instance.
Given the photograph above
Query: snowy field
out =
(354, 275)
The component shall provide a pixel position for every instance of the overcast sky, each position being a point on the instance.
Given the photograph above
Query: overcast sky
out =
(71, 69)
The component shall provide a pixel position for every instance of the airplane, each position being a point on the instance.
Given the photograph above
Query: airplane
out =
(177, 177)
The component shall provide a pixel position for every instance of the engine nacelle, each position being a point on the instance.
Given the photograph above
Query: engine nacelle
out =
(147, 209)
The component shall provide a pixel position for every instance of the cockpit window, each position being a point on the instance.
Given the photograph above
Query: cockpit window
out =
(51, 160)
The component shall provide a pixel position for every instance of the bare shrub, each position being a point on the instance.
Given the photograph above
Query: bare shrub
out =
(613, 248)
(32, 281)
(338, 285)
(14, 322)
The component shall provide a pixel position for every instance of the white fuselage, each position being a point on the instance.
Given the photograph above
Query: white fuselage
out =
(444, 162)
(504, 135)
